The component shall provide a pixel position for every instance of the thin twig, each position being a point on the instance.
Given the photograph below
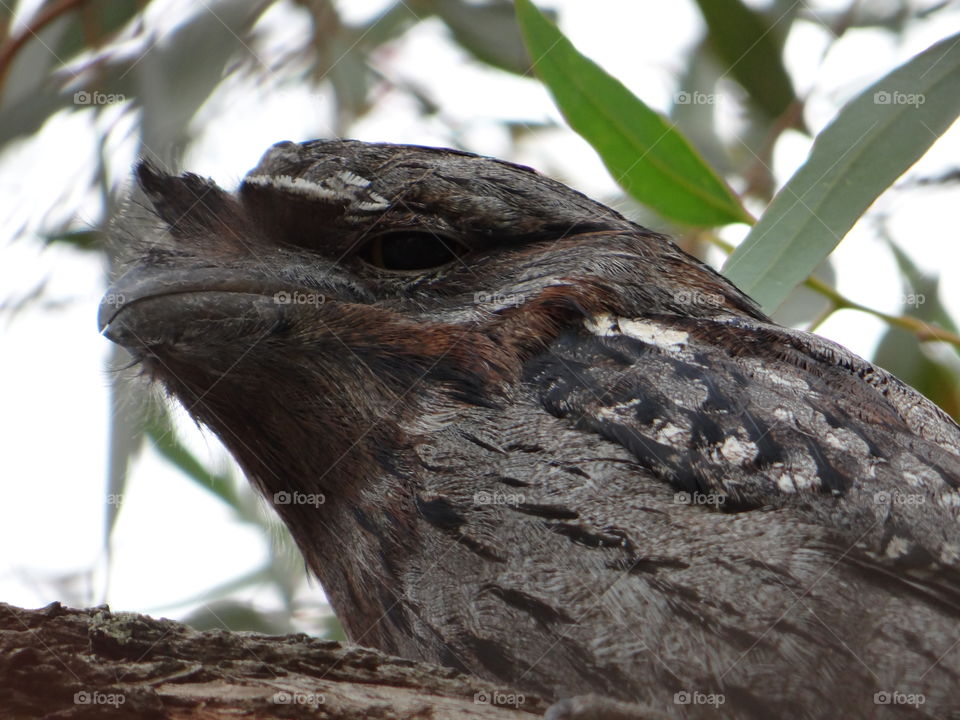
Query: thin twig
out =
(9, 50)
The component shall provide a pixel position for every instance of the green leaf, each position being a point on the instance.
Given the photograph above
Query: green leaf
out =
(921, 291)
(126, 438)
(92, 26)
(750, 49)
(165, 441)
(237, 616)
(79, 239)
(805, 305)
(900, 353)
(488, 31)
(644, 152)
(870, 143)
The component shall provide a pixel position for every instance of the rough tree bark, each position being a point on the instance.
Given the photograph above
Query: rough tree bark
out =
(59, 662)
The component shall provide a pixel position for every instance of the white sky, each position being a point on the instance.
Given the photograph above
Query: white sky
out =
(174, 540)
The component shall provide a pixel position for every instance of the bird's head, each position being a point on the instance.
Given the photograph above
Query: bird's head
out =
(349, 296)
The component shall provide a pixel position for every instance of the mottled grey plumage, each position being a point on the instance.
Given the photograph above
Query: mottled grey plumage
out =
(572, 458)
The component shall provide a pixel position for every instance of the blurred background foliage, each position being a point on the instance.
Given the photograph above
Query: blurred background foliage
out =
(144, 72)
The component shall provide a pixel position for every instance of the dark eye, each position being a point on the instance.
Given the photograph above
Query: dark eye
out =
(412, 250)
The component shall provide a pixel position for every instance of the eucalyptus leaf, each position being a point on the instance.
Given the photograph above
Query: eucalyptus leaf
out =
(29, 94)
(488, 31)
(126, 439)
(89, 240)
(871, 142)
(238, 616)
(177, 74)
(694, 108)
(643, 150)
(94, 25)
(900, 353)
(750, 47)
(166, 443)
(805, 305)
(30, 68)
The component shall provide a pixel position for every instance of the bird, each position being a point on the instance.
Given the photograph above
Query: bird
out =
(516, 434)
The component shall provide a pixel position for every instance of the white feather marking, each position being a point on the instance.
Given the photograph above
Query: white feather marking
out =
(674, 435)
(950, 553)
(897, 547)
(351, 178)
(646, 332)
(739, 451)
(344, 186)
(601, 325)
(298, 186)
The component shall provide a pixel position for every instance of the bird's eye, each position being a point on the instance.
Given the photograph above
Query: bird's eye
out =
(411, 250)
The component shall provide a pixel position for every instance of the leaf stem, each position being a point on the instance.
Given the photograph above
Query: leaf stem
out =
(924, 331)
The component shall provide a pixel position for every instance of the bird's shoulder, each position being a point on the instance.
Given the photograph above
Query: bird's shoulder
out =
(744, 415)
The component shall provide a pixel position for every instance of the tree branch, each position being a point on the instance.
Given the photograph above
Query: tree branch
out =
(63, 663)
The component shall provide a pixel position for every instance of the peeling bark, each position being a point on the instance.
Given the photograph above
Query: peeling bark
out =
(59, 662)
